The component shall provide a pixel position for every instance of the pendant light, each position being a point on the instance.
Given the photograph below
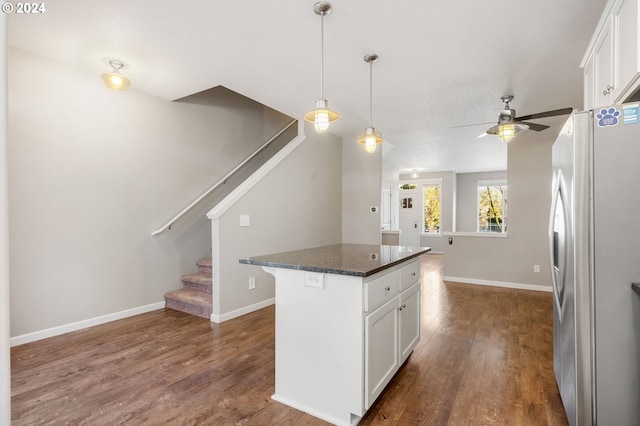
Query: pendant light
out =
(321, 116)
(370, 138)
(114, 80)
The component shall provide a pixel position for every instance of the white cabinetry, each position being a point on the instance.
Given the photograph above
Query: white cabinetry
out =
(612, 61)
(381, 353)
(393, 329)
(341, 340)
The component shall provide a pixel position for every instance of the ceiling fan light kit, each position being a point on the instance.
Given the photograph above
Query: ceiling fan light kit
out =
(508, 124)
(321, 116)
(370, 138)
(114, 80)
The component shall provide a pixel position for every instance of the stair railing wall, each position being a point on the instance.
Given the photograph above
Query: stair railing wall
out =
(228, 177)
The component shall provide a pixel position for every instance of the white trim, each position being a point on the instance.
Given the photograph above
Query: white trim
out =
(242, 311)
(476, 234)
(504, 284)
(251, 181)
(74, 326)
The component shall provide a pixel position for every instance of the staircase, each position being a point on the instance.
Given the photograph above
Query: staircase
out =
(195, 295)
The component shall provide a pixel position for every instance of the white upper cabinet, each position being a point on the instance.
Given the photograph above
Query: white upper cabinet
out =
(627, 67)
(611, 64)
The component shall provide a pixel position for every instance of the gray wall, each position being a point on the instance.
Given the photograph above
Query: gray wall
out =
(92, 172)
(511, 259)
(467, 198)
(296, 206)
(361, 189)
(5, 367)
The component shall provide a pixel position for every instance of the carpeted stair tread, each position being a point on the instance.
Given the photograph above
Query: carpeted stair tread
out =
(190, 301)
(197, 278)
(204, 262)
(204, 266)
(195, 297)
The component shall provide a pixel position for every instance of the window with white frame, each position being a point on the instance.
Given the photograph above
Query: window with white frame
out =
(492, 205)
(432, 200)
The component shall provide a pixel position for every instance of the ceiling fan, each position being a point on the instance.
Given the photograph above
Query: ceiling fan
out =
(508, 124)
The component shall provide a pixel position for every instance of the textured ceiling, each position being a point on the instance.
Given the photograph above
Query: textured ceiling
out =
(442, 64)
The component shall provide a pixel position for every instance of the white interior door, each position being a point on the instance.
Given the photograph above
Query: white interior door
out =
(409, 217)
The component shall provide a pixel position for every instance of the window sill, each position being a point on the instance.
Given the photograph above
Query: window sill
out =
(476, 234)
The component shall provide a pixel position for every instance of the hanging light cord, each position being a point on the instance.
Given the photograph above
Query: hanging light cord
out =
(322, 54)
(370, 93)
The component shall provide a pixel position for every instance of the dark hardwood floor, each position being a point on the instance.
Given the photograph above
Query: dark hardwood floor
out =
(485, 358)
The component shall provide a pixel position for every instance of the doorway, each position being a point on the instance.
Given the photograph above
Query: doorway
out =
(409, 216)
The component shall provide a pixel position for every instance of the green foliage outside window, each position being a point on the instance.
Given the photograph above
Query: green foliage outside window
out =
(492, 208)
(432, 209)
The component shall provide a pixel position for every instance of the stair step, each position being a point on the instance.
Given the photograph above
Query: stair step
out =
(197, 282)
(192, 302)
(204, 266)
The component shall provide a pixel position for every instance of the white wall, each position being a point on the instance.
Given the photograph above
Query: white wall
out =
(91, 173)
(510, 260)
(467, 198)
(5, 367)
(296, 206)
(361, 189)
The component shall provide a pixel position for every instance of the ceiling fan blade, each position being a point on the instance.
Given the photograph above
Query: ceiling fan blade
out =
(536, 127)
(470, 125)
(545, 114)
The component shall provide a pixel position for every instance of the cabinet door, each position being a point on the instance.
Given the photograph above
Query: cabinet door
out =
(603, 61)
(381, 349)
(409, 321)
(626, 55)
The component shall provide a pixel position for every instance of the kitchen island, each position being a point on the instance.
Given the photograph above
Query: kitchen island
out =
(347, 317)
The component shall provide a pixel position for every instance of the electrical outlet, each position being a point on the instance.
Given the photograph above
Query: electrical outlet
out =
(536, 268)
(252, 283)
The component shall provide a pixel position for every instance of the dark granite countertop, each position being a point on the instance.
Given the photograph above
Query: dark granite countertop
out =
(635, 287)
(358, 260)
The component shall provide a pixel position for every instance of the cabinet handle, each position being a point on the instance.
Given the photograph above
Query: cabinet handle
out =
(404, 305)
(413, 274)
(608, 90)
(387, 289)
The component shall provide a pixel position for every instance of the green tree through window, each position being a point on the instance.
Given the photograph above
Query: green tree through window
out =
(492, 206)
(431, 208)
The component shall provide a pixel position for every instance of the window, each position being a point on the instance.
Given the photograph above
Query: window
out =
(431, 213)
(492, 205)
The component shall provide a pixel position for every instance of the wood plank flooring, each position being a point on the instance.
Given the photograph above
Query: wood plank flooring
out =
(485, 358)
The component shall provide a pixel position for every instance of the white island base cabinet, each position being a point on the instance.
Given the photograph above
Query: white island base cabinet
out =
(340, 339)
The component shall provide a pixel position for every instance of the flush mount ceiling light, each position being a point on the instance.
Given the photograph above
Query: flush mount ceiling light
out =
(321, 116)
(507, 127)
(114, 80)
(370, 138)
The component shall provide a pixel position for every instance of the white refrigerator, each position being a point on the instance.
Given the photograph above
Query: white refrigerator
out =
(594, 238)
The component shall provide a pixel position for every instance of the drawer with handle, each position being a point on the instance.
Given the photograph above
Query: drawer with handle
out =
(381, 289)
(409, 274)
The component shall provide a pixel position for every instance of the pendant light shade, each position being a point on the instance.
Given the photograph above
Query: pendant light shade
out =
(321, 116)
(370, 138)
(114, 80)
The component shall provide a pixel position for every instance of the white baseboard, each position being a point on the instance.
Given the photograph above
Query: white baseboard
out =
(505, 284)
(74, 326)
(242, 311)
